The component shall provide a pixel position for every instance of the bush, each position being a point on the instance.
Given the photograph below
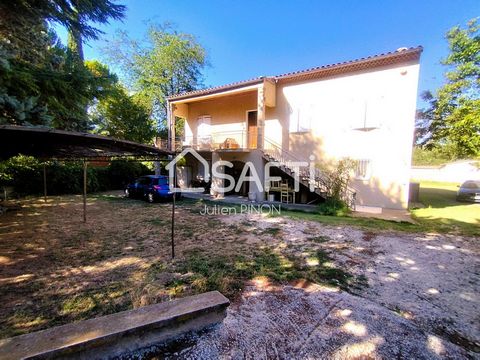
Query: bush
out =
(336, 182)
(121, 172)
(435, 156)
(25, 174)
(333, 207)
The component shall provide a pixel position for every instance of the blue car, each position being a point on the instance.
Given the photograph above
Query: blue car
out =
(151, 188)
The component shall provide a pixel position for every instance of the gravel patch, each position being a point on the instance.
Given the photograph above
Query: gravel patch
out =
(315, 322)
(430, 280)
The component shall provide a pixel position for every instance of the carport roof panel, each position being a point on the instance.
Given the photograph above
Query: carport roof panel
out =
(58, 144)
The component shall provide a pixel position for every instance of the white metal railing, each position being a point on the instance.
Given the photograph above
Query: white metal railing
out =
(228, 140)
(321, 182)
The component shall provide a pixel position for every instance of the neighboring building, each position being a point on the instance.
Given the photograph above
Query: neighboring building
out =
(362, 109)
(455, 172)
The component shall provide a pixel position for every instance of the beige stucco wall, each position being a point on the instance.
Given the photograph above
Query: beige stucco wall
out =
(228, 116)
(335, 107)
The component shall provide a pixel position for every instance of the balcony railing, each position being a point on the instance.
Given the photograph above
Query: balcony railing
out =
(163, 144)
(225, 140)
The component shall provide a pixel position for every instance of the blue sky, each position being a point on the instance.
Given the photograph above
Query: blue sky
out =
(246, 39)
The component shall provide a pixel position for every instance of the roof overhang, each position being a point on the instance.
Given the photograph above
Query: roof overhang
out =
(45, 143)
(217, 92)
(400, 56)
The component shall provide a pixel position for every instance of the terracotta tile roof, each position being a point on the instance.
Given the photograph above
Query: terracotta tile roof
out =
(401, 55)
(215, 89)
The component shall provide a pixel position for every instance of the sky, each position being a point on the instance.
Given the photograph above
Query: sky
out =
(246, 38)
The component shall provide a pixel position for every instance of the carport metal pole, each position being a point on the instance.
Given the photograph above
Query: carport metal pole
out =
(84, 191)
(173, 210)
(44, 182)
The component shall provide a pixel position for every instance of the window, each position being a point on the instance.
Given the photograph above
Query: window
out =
(363, 169)
(162, 181)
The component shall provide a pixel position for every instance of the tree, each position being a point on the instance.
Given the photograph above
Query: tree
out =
(452, 117)
(123, 116)
(55, 93)
(20, 19)
(41, 81)
(166, 63)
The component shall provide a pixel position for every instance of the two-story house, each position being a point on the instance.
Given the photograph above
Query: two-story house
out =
(362, 109)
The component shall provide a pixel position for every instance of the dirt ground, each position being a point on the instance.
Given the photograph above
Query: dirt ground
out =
(315, 322)
(429, 278)
(419, 298)
(422, 298)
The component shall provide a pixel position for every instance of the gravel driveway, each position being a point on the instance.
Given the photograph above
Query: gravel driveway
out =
(422, 300)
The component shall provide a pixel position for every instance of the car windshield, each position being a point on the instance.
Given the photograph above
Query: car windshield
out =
(162, 181)
(142, 180)
(471, 185)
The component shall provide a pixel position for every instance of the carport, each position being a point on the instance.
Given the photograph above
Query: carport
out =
(49, 144)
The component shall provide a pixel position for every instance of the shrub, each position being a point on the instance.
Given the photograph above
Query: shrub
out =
(25, 174)
(121, 172)
(336, 182)
(333, 207)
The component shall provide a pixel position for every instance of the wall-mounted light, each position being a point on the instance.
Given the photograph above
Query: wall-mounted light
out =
(365, 128)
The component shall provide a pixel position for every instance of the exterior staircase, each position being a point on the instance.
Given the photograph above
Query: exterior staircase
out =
(322, 184)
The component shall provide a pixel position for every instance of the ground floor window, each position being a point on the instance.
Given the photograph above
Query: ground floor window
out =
(363, 169)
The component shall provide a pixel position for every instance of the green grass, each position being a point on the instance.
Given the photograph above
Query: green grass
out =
(363, 223)
(319, 239)
(62, 309)
(443, 213)
(201, 271)
(273, 231)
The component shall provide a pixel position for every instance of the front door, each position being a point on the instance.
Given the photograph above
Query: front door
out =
(252, 129)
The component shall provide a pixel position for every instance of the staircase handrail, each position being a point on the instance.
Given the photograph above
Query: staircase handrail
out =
(321, 179)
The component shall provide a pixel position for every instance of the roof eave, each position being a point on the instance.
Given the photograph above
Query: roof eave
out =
(372, 62)
(215, 90)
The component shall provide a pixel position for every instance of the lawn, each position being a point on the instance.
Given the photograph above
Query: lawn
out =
(444, 212)
(441, 214)
(54, 269)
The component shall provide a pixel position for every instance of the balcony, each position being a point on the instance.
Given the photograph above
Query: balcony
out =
(228, 140)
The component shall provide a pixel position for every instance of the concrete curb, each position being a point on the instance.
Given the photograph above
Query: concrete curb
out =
(113, 335)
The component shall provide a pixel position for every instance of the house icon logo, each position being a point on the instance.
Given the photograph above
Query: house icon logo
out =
(171, 167)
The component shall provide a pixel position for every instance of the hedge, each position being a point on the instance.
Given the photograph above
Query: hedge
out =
(25, 174)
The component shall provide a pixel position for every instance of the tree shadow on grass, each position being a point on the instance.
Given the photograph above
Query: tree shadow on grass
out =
(438, 198)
